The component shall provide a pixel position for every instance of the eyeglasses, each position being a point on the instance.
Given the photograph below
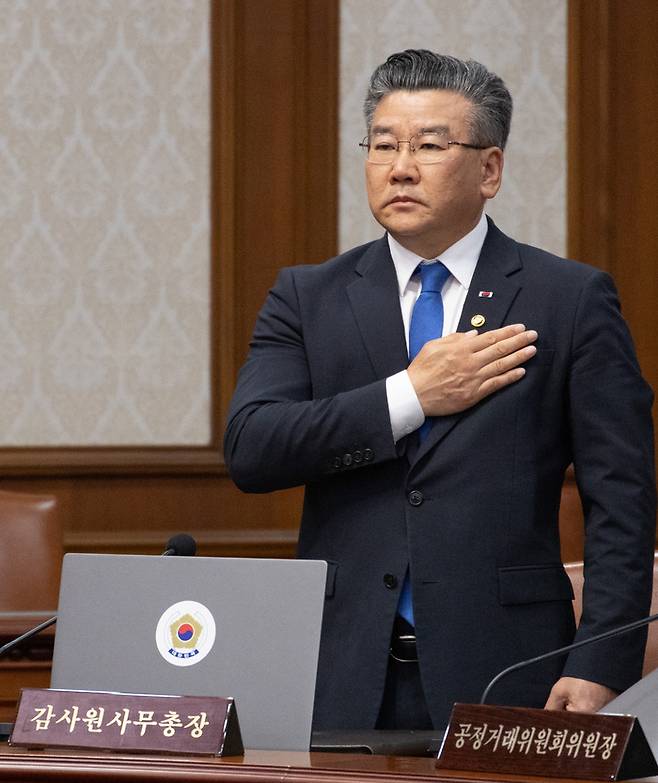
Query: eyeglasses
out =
(427, 148)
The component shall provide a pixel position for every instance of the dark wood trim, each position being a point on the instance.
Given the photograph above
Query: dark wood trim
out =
(589, 222)
(255, 542)
(316, 161)
(613, 168)
(222, 108)
(112, 461)
(574, 89)
(286, 86)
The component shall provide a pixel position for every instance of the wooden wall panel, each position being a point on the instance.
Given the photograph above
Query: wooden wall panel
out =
(634, 171)
(613, 170)
(613, 158)
(286, 151)
(274, 180)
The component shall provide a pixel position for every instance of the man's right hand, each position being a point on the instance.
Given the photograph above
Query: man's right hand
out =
(455, 372)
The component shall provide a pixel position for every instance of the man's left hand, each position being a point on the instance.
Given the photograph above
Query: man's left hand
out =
(570, 693)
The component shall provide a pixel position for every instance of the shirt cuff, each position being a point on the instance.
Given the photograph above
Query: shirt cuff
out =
(403, 406)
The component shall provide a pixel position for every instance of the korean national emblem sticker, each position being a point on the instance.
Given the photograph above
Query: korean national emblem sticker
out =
(185, 633)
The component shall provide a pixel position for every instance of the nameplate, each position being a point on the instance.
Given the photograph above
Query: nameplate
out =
(523, 741)
(127, 722)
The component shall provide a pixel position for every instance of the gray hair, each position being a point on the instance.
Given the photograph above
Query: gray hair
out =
(420, 69)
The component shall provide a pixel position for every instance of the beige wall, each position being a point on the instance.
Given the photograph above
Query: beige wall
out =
(104, 172)
(104, 225)
(524, 41)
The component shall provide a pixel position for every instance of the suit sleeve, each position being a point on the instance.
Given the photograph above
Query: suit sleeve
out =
(613, 454)
(278, 433)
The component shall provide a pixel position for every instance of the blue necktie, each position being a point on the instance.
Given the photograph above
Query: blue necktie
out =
(426, 324)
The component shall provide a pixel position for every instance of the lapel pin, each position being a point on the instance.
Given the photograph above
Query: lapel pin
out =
(486, 294)
(478, 320)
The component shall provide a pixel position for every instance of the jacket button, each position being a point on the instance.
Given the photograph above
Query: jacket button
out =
(347, 460)
(415, 497)
(391, 581)
(357, 457)
(337, 462)
(368, 455)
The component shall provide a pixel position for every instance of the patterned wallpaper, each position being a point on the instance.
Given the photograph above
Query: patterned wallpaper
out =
(104, 225)
(104, 180)
(524, 41)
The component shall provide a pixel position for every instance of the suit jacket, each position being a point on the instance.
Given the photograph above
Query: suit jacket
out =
(473, 511)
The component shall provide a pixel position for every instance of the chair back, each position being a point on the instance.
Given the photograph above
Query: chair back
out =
(31, 552)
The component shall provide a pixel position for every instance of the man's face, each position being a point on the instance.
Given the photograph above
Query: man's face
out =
(428, 207)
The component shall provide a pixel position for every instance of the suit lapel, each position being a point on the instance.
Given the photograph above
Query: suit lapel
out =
(495, 272)
(375, 301)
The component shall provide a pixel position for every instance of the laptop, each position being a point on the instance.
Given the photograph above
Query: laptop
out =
(640, 700)
(248, 628)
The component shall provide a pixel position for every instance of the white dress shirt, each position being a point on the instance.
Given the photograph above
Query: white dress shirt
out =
(460, 259)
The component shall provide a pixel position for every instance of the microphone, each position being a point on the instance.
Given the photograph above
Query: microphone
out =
(180, 545)
(622, 629)
(27, 635)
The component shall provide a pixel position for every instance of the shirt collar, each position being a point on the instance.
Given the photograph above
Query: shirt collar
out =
(460, 258)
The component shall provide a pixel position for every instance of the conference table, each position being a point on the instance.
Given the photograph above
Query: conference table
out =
(29, 666)
(256, 766)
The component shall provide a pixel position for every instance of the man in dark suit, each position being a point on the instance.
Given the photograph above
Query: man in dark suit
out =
(433, 485)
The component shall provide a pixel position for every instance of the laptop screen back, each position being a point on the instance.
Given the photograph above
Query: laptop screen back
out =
(242, 627)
